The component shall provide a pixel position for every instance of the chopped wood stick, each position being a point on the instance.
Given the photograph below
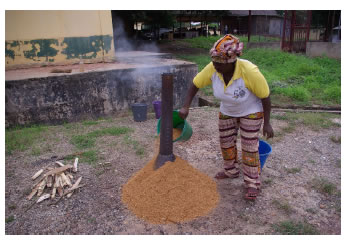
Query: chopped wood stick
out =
(42, 186)
(75, 186)
(53, 193)
(67, 192)
(70, 176)
(59, 170)
(105, 163)
(60, 191)
(52, 172)
(35, 185)
(60, 163)
(61, 183)
(44, 176)
(37, 174)
(66, 179)
(42, 198)
(76, 183)
(49, 181)
(70, 191)
(34, 191)
(75, 165)
(57, 183)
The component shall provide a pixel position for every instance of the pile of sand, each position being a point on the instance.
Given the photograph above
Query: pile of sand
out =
(176, 192)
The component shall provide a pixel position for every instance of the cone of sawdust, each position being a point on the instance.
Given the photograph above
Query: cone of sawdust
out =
(176, 192)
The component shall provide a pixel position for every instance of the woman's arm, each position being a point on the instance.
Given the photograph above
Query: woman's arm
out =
(184, 111)
(267, 128)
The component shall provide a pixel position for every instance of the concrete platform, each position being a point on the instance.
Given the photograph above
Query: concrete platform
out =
(37, 95)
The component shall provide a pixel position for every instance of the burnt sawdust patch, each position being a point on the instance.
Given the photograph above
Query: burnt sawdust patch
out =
(174, 193)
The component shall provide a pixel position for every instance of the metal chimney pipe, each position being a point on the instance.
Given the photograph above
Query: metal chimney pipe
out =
(166, 133)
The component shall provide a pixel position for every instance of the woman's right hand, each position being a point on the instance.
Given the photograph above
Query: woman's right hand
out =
(183, 112)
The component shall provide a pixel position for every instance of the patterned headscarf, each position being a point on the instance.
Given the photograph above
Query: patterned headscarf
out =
(226, 49)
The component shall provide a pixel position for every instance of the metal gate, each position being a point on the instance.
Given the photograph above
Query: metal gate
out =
(296, 30)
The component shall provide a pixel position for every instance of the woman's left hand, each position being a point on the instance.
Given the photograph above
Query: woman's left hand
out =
(268, 130)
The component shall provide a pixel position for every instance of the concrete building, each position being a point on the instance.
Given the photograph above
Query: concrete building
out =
(42, 86)
(57, 37)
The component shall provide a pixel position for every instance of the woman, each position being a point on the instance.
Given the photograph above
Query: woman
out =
(245, 105)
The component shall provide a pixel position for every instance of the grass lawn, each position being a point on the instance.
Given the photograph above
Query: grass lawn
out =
(293, 78)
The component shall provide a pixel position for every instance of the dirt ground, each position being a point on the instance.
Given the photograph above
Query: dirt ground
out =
(287, 194)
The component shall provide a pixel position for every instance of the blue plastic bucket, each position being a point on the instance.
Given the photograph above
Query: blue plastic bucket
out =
(264, 150)
(139, 112)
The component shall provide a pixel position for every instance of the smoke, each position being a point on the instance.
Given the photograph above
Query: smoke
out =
(148, 64)
(120, 37)
(123, 43)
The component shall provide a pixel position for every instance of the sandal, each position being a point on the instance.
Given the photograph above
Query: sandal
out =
(223, 175)
(251, 193)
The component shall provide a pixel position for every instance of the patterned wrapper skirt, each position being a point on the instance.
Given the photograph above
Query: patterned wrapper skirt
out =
(249, 126)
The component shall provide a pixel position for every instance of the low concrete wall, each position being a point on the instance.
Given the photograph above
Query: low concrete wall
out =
(329, 49)
(274, 45)
(58, 99)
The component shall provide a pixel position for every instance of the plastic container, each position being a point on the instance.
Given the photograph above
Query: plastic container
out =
(264, 149)
(157, 108)
(139, 112)
(180, 123)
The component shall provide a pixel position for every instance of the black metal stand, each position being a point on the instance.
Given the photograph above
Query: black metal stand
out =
(166, 133)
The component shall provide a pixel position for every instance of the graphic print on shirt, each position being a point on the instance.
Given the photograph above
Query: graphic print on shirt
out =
(239, 92)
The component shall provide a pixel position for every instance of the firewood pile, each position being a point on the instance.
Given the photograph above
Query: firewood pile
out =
(58, 180)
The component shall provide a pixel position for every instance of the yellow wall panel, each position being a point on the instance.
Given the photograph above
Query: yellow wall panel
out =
(55, 36)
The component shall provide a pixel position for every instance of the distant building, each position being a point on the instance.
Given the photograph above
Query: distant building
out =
(263, 22)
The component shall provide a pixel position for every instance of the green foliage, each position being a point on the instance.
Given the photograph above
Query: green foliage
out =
(268, 181)
(21, 138)
(9, 219)
(311, 210)
(335, 139)
(295, 228)
(283, 205)
(201, 60)
(207, 42)
(324, 186)
(12, 207)
(298, 93)
(88, 140)
(89, 157)
(315, 121)
(293, 170)
(293, 78)
(113, 131)
(333, 93)
(89, 123)
(83, 141)
(202, 42)
(139, 150)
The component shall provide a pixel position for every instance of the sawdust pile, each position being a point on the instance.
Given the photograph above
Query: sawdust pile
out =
(176, 192)
(176, 133)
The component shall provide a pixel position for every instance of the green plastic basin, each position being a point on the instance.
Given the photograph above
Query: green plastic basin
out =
(179, 123)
